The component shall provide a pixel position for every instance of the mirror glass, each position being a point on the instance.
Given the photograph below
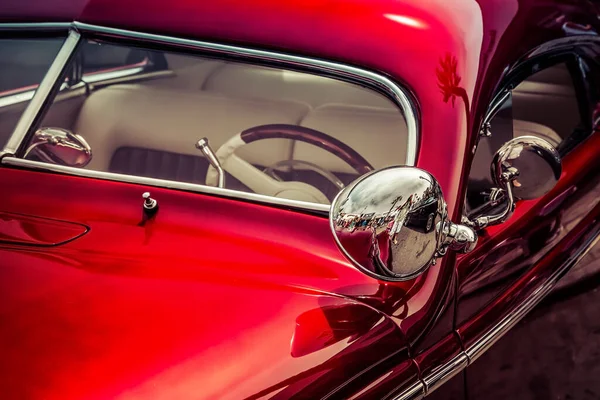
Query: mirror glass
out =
(389, 223)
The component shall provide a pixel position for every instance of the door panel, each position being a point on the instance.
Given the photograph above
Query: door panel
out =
(142, 306)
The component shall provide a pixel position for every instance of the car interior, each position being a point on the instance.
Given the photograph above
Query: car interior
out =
(145, 121)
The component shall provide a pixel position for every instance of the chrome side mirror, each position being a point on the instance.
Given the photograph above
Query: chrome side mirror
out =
(393, 224)
(60, 146)
(524, 168)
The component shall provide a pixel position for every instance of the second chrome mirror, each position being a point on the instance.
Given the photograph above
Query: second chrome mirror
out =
(536, 162)
(393, 223)
(524, 168)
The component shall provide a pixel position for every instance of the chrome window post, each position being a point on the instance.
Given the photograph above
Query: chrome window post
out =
(42, 96)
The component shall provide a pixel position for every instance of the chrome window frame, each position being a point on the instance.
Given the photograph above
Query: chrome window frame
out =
(375, 81)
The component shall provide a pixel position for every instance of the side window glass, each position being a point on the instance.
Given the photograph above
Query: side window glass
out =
(23, 64)
(273, 131)
(544, 105)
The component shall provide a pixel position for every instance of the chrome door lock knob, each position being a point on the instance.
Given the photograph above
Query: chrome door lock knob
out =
(150, 205)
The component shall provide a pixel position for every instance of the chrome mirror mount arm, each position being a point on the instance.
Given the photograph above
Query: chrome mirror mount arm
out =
(505, 196)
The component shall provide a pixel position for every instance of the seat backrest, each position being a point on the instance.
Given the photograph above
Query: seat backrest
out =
(553, 105)
(157, 118)
(189, 73)
(245, 80)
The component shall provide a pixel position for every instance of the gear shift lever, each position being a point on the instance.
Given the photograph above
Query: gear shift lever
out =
(205, 148)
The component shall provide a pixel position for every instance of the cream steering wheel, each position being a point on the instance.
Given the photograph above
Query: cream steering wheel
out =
(261, 183)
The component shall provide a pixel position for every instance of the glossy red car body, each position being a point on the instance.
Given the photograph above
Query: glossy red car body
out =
(219, 298)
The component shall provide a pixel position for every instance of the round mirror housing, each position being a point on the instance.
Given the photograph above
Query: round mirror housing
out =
(60, 146)
(526, 167)
(531, 163)
(393, 223)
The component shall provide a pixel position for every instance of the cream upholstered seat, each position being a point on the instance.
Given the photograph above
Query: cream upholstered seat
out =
(245, 80)
(218, 99)
(158, 118)
(188, 73)
(164, 119)
(551, 104)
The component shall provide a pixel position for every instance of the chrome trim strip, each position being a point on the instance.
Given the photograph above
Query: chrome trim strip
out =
(495, 106)
(25, 96)
(190, 187)
(445, 372)
(16, 98)
(358, 74)
(43, 91)
(29, 26)
(93, 78)
(416, 391)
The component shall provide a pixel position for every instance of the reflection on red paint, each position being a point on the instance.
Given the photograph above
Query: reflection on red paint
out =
(449, 81)
(406, 20)
(321, 327)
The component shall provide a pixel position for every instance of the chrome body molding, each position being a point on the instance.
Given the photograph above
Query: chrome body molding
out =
(416, 391)
(445, 372)
(121, 73)
(190, 187)
(35, 26)
(333, 69)
(16, 98)
(41, 96)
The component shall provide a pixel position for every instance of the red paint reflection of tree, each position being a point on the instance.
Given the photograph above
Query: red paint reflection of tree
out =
(449, 81)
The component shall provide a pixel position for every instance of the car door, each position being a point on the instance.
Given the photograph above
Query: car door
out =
(188, 269)
(554, 95)
(144, 280)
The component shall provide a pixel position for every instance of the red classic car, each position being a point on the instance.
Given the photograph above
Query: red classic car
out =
(295, 199)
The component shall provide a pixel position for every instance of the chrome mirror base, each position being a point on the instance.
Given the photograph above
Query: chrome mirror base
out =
(460, 238)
